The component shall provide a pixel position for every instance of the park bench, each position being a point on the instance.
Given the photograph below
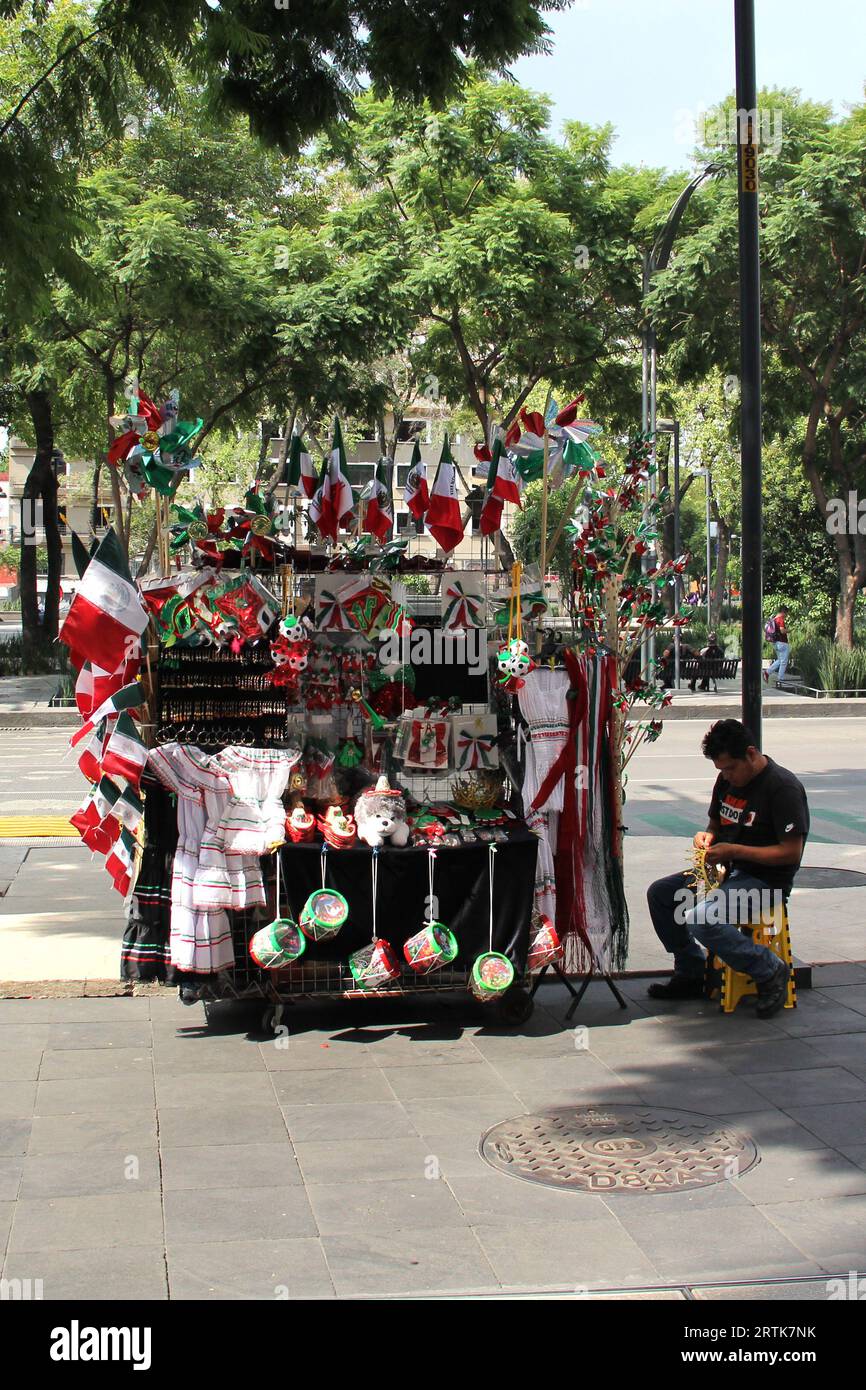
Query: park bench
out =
(692, 668)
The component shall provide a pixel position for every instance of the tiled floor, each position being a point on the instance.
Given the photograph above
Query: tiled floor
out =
(146, 1155)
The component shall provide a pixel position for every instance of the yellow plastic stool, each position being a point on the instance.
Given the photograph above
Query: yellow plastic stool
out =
(773, 931)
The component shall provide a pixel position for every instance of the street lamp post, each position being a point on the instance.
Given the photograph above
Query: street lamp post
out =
(672, 427)
(750, 367)
(658, 259)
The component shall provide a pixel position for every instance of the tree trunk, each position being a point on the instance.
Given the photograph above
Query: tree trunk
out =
(94, 496)
(41, 486)
(848, 589)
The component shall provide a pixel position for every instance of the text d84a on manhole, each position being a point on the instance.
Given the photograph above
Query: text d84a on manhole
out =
(619, 1148)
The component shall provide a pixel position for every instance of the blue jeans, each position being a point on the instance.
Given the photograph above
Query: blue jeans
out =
(783, 651)
(684, 924)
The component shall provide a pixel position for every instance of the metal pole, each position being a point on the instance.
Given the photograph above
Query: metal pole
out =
(677, 577)
(709, 546)
(644, 424)
(653, 481)
(750, 365)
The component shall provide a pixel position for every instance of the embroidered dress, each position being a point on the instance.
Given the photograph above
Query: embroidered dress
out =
(544, 706)
(201, 938)
(254, 819)
(146, 953)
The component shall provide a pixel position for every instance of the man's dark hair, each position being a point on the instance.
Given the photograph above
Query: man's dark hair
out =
(727, 736)
(783, 609)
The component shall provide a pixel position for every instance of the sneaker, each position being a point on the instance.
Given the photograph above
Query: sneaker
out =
(773, 993)
(678, 987)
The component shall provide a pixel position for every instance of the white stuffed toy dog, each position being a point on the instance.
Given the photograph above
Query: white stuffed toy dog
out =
(380, 815)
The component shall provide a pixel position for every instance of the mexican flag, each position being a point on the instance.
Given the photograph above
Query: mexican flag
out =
(129, 697)
(333, 503)
(443, 513)
(301, 475)
(128, 808)
(504, 478)
(106, 617)
(90, 757)
(93, 819)
(379, 511)
(94, 686)
(491, 508)
(125, 754)
(415, 493)
(120, 861)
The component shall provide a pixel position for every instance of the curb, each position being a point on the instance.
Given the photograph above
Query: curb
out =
(809, 709)
(39, 719)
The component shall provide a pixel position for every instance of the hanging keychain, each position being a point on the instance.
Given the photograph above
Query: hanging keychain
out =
(281, 942)
(492, 972)
(325, 910)
(374, 965)
(434, 945)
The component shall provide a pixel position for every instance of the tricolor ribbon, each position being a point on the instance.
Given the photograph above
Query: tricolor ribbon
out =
(475, 750)
(464, 609)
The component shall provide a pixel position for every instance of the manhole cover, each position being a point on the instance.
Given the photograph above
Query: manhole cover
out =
(618, 1148)
(830, 878)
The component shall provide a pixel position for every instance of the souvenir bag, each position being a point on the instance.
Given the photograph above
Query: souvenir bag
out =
(426, 742)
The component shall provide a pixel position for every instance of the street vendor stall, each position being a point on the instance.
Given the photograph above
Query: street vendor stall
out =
(308, 782)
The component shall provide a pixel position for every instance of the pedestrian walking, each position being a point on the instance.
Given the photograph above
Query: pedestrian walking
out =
(776, 631)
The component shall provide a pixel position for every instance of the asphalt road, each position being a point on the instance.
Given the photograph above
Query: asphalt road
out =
(669, 782)
(668, 791)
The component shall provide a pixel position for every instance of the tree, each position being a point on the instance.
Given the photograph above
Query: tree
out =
(291, 69)
(517, 254)
(813, 248)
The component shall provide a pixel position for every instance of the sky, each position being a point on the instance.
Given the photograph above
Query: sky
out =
(651, 66)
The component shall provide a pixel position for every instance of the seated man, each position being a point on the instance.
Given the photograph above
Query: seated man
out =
(758, 823)
(712, 651)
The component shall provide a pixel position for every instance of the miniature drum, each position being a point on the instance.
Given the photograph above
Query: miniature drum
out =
(430, 948)
(491, 975)
(544, 943)
(374, 965)
(323, 914)
(277, 944)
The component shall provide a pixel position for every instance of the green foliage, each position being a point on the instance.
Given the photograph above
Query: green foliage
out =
(507, 249)
(813, 228)
(525, 531)
(40, 662)
(843, 669)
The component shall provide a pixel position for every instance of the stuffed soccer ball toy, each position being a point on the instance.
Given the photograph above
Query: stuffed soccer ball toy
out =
(513, 662)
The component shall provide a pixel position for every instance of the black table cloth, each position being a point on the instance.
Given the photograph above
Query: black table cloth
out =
(460, 883)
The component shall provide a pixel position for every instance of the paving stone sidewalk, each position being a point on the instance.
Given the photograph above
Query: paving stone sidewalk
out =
(146, 1154)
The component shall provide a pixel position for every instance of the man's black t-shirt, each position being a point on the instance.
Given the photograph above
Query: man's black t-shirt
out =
(763, 812)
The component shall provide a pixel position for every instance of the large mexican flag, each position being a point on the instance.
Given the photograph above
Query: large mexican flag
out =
(107, 617)
(443, 513)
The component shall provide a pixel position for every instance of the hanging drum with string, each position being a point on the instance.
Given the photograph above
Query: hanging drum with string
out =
(323, 914)
(430, 948)
(492, 974)
(278, 944)
(545, 946)
(374, 965)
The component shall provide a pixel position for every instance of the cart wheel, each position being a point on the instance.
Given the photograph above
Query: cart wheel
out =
(517, 1006)
(272, 1017)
